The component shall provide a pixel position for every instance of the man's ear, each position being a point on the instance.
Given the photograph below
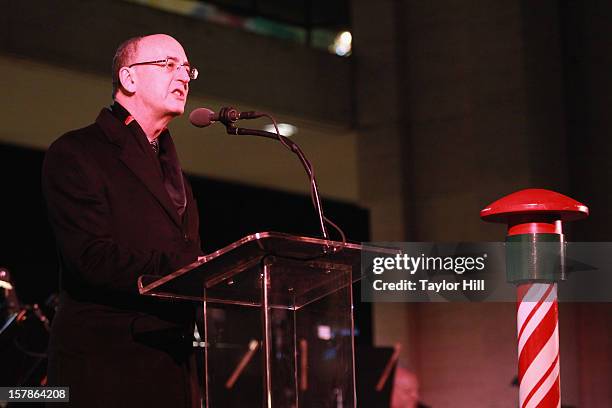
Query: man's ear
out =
(127, 80)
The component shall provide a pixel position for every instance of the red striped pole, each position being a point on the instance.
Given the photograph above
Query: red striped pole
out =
(534, 218)
(538, 345)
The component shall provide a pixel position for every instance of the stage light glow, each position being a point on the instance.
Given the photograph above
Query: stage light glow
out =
(285, 129)
(342, 44)
(324, 332)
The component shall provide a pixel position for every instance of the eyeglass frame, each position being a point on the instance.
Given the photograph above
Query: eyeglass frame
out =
(192, 72)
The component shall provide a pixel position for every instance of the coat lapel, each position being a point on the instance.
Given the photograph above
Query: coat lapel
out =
(137, 160)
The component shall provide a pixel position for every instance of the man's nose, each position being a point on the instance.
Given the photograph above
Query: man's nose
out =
(183, 74)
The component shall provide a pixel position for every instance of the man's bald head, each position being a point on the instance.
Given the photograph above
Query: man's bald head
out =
(152, 79)
(131, 49)
(126, 52)
(405, 389)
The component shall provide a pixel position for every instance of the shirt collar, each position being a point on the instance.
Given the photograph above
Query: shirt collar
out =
(121, 113)
(126, 118)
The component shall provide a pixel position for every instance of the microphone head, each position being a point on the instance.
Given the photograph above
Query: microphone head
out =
(201, 117)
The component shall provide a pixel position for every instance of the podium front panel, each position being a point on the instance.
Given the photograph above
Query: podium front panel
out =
(280, 335)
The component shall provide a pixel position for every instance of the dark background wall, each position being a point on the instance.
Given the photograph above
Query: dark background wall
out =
(475, 100)
(454, 104)
(82, 34)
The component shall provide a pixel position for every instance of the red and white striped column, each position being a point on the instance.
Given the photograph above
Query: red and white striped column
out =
(535, 251)
(538, 345)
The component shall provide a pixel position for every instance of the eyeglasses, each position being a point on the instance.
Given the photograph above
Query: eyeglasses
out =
(171, 65)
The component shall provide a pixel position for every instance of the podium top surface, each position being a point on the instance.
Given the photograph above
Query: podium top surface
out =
(190, 281)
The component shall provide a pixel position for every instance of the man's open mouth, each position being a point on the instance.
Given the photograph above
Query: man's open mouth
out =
(179, 92)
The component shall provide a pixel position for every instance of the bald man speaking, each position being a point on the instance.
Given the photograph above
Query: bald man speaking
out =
(120, 207)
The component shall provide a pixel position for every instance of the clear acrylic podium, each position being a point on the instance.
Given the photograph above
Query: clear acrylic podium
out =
(278, 320)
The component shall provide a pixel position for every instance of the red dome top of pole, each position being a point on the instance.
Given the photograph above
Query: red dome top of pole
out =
(536, 202)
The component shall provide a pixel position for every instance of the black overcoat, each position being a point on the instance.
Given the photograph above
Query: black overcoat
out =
(114, 220)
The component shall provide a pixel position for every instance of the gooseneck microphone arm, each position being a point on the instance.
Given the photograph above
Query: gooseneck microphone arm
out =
(232, 129)
(203, 117)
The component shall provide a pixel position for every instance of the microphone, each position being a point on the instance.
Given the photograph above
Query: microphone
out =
(202, 117)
